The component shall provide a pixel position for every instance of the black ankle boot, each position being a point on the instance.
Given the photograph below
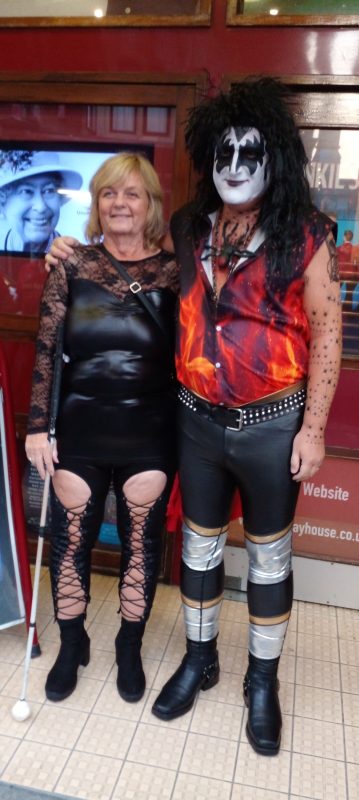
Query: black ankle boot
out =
(131, 681)
(260, 691)
(75, 650)
(198, 670)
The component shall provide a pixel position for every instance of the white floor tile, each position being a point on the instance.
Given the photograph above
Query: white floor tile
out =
(94, 745)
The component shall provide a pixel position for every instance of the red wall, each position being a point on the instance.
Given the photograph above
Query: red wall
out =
(217, 49)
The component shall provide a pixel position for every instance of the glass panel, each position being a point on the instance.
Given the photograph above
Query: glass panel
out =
(333, 173)
(157, 120)
(124, 118)
(100, 9)
(296, 7)
(166, 8)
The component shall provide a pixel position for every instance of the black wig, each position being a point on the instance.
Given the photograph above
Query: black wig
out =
(264, 104)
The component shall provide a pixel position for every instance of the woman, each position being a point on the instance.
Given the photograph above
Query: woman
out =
(116, 415)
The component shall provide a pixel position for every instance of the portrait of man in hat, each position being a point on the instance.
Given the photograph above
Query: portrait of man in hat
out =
(34, 185)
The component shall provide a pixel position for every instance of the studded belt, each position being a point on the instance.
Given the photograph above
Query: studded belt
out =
(237, 418)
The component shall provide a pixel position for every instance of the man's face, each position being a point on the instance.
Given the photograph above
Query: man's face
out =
(240, 170)
(32, 208)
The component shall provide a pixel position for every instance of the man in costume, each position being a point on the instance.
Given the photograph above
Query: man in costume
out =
(258, 357)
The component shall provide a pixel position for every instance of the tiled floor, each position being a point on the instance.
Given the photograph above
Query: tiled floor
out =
(94, 745)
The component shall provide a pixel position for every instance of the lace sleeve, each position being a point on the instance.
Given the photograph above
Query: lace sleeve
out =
(52, 312)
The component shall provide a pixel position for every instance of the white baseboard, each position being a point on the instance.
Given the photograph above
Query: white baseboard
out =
(315, 581)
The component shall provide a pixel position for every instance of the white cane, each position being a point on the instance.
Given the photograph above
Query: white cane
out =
(21, 710)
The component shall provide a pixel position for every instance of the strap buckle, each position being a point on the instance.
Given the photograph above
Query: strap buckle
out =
(238, 421)
(135, 287)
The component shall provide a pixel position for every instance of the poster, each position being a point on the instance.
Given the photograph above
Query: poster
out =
(45, 192)
(326, 523)
(12, 610)
(333, 174)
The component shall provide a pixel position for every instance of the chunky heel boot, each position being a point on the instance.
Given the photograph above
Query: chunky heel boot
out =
(260, 692)
(131, 681)
(74, 651)
(198, 670)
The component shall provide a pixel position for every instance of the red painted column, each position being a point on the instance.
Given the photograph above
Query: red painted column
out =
(16, 493)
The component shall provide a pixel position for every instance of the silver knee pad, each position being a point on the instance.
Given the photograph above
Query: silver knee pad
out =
(202, 552)
(270, 562)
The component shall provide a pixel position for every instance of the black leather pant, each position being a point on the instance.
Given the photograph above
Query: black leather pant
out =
(214, 461)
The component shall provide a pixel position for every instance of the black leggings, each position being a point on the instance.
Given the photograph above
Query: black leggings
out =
(139, 528)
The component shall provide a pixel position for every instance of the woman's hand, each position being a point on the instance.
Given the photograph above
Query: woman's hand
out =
(62, 247)
(41, 453)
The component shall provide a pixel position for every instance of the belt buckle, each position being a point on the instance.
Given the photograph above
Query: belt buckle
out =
(135, 287)
(239, 421)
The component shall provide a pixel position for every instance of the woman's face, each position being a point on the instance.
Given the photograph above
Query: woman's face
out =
(32, 208)
(123, 207)
(240, 171)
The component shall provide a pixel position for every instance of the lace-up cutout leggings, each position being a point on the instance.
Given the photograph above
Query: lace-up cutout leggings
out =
(77, 505)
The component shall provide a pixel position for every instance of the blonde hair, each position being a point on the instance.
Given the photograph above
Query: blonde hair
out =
(118, 168)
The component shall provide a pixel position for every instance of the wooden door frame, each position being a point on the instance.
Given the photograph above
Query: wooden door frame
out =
(178, 91)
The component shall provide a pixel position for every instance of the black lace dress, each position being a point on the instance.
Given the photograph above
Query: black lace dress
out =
(117, 382)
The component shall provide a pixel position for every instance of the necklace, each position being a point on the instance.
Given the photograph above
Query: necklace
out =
(226, 254)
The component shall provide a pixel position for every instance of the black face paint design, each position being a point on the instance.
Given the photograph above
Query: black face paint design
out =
(250, 152)
(241, 171)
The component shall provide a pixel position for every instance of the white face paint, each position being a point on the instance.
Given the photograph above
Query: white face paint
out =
(240, 170)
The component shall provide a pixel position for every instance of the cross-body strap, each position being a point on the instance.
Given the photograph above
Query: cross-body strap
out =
(136, 289)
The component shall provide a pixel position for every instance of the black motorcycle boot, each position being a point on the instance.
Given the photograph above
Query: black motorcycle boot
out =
(131, 681)
(260, 692)
(74, 651)
(199, 670)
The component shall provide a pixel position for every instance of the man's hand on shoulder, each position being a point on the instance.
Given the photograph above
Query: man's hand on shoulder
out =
(167, 243)
(62, 247)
